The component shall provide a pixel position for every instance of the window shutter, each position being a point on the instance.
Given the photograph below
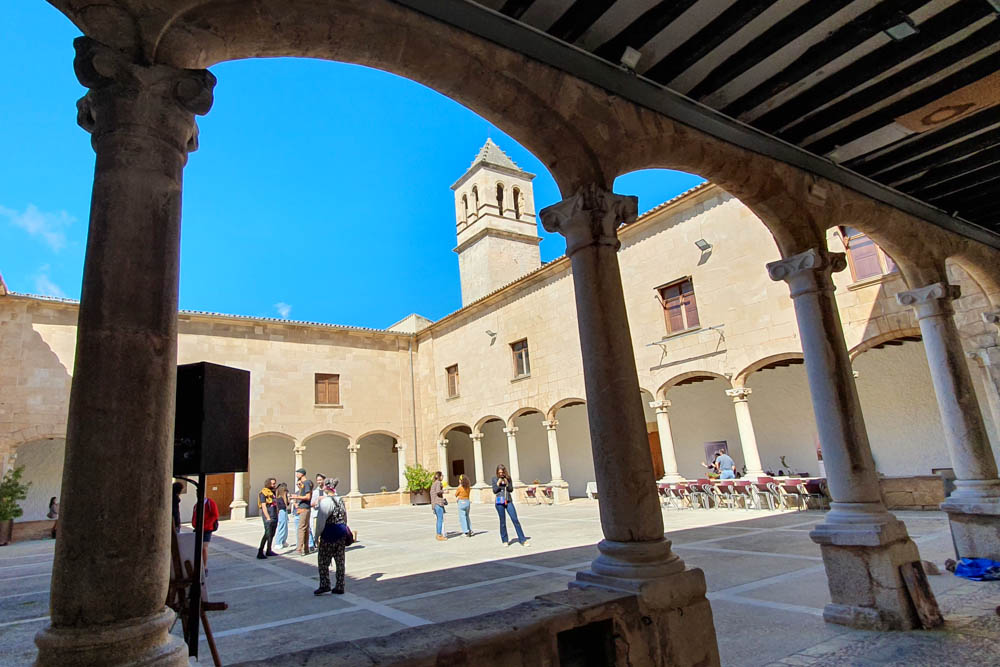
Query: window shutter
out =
(864, 257)
(320, 392)
(691, 309)
(333, 390)
(675, 318)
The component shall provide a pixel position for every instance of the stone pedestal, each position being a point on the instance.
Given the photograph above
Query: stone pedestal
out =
(634, 556)
(513, 467)
(862, 544)
(107, 601)
(238, 508)
(670, 474)
(477, 455)
(401, 465)
(974, 507)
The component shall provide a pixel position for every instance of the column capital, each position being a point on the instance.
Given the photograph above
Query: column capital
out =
(510, 431)
(126, 94)
(299, 449)
(660, 406)
(808, 271)
(443, 442)
(930, 300)
(400, 446)
(551, 424)
(354, 448)
(739, 394)
(590, 217)
(476, 435)
(992, 317)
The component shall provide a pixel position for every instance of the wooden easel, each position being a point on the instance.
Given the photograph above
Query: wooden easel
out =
(182, 577)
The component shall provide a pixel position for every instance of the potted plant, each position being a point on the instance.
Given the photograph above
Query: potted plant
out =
(418, 483)
(11, 491)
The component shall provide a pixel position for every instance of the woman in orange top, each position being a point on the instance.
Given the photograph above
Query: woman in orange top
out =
(464, 504)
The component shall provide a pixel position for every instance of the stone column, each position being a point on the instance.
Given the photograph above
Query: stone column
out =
(553, 440)
(107, 602)
(987, 359)
(477, 454)
(748, 440)
(238, 508)
(353, 449)
(401, 464)
(514, 469)
(443, 458)
(974, 507)
(298, 450)
(863, 545)
(670, 473)
(634, 555)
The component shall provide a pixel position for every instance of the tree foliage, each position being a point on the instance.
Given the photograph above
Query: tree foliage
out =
(12, 490)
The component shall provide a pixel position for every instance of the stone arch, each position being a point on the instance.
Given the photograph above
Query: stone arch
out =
(378, 461)
(276, 434)
(327, 452)
(32, 434)
(339, 434)
(501, 198)
(378, 431)
(520, 412)
(42, 459)
(882, 339)
(550, 414)
(459, 449)
(451, 427)
(271, 454)
(485, 420)
(684, 378)
(740, 379)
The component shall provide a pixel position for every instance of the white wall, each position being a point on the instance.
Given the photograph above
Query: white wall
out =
(377, 465)
(575, 454)
(460, 448)
(533, 449)
(700, 413)
(783, 419)
(270, 456)
(43, 467)
(328, 454)
(494, 449)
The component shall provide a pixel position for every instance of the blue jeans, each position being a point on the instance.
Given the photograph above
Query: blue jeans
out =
(503, 521)
(727, 474)
(439, 511)
(463, 515)
(281, 537)
(312, 542)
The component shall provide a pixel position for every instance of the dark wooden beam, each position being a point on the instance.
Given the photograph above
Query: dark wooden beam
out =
(944, 156)
(820, 54)
(643, 29)
(923, 186)
(912, 76)
(580, 16)
(515, 8)
(962, 183)
(789, 28)
(703, 42)
(926, 142)
(965, 201)
(932, 31)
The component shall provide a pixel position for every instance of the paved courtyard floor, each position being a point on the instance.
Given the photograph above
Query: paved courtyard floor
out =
(765, 580)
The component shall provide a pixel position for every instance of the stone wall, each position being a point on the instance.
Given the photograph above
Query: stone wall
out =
(924, 492)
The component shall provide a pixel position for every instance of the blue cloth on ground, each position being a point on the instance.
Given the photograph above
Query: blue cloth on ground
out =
(978, 569)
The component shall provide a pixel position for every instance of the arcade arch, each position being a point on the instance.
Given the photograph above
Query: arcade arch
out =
(327, 452)
(271, 455)
(43, 468)
(378, 462)
(459, 456)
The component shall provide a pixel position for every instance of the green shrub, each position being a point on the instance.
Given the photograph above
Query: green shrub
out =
(418, 478)
(11, 491)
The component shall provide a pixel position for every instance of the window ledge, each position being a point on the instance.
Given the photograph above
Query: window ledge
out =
(521, 377)
(452, 398)
(680, 334)
(874, 280)
(328, 405)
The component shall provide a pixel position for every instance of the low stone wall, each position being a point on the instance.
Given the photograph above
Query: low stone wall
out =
(576, 626)
(32, 530)
(913, 493)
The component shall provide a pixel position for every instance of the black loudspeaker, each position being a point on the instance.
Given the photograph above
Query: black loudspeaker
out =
(212, 421)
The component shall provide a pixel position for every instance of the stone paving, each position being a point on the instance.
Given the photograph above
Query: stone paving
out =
(765, 579)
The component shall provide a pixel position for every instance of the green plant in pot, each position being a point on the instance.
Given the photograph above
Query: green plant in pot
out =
(418, 483)
(12, 490)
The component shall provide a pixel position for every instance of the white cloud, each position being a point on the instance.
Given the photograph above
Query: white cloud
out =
(284, 310)
(47, 226)
(44, 284)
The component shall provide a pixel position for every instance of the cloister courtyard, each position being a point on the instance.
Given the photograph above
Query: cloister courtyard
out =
(765, 581)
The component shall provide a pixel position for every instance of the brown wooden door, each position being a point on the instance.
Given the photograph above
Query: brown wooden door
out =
(220, 489)
(654, 450)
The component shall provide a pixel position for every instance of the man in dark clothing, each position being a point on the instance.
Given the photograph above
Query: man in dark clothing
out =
(177, 488)
(303, 498)
(269, 515)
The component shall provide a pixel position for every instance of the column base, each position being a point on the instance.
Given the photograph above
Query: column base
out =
(672, 594)
(238, 510)
(975, 523)
(863, 547)
(672, 478)
(560, 491)
(144, 641)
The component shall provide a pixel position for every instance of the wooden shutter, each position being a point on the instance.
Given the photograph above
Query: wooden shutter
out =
(864, 257)
(690, 305)
(320, 390)
(333, 390)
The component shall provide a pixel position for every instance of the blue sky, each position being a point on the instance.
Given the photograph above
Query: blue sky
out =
(320, 191)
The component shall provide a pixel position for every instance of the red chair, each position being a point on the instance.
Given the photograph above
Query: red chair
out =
(531, 493)
(763, 491)
(815, 490)
(789, 491)
(743, 493)
(548, 494)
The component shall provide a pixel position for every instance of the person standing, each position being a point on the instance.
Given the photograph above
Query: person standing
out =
(303, 499)
(54, 514)
(464, 504)
(211, 525)
(176, 488)
(503, 489)
(438, 502)
(727, 467)
(318, 492)
(281, 502)
(332, 516)
(269, 515)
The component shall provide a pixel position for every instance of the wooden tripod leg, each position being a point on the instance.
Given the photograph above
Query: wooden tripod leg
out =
(210, 639)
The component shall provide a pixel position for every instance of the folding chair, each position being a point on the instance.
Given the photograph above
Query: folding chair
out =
(548, 495)
(667, 499)
(531, 493)
(787, 492)
(762, 492)
(743, 494)
(815, 490)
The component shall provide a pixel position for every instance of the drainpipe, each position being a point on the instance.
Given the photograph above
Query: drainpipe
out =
(413, 401)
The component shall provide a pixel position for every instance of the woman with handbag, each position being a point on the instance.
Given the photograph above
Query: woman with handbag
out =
(464, 504)
(503, 489)
(281, 501)
(438, 501)
(334, 538)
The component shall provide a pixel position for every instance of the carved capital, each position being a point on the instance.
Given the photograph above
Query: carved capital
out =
(354, 448)
(551, 424)
(400, 446)
(660, 406)
(590, 217)
(739, 395)
(808, 271)
(476, 436)
(299, 449)
(992, 317)
(443, 443)
(155, 100)
(510, 431)
(932, 300)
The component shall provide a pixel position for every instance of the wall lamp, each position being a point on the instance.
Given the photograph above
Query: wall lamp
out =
(630, 58)
(703, 245)
(905, 28)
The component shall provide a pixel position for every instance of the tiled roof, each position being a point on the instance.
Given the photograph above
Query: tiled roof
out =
(490, 153)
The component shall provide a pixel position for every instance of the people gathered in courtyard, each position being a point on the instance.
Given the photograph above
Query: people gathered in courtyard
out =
(269, 515)
(503, 490)
(281, 501)
(438, 501)
(303, 499)
(464, 504)
(334, 537)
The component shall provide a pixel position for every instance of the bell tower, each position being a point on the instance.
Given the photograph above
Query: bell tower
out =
(496, 226)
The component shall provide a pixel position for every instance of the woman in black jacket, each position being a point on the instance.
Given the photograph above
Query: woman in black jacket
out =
(503, 489)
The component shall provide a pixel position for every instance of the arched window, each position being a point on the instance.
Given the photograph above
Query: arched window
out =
(516, 193)
(475, 200)
(465, 208)
(500, 198)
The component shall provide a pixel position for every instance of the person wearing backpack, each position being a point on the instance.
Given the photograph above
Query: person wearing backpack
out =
(333, 539)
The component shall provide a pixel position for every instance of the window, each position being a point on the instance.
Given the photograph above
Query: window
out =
(522, 367)
(465, 208)
(680, 310)
(516, 194)
(327, 389)
(867, 260)
(500, 198)
(475, 200)
(452, 372)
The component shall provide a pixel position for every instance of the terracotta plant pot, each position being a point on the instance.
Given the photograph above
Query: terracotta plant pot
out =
(420, 497)
(7, 530)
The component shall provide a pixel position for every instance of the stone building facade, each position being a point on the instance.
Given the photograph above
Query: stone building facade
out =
(501, 380)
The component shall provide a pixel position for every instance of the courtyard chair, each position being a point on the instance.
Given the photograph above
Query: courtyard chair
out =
(681, 495)
(743, 493)
(531, 493)
(723, 495)
(762, 492)
(548, 495)
(789, 492)
(816, 491)
(667, 499)
(695, 494)
(709, 496)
